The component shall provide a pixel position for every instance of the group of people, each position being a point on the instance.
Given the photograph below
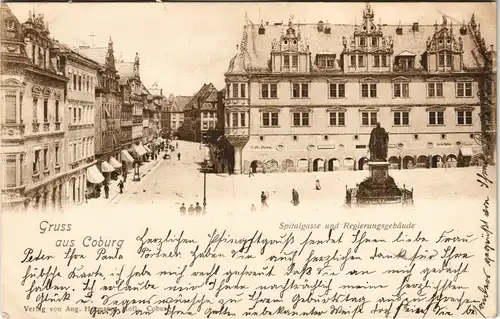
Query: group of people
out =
(191, 210)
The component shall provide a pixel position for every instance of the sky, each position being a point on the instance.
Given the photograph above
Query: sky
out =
(184, 45)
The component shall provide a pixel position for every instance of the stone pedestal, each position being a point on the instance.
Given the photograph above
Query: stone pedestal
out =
(379, 171)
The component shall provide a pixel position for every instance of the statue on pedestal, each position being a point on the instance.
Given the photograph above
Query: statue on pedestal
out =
(379, 143)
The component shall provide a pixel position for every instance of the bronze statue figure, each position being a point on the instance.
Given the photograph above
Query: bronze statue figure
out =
(379, 143)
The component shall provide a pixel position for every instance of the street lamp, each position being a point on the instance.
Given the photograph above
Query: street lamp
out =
(204, 165)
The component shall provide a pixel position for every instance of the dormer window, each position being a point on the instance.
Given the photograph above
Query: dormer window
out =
(286, 61)
(362, 41)
(374, 41)
(326, 61)
(295, 61)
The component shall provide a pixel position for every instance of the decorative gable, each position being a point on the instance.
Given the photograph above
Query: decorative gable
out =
(291, 52)
(443, 51)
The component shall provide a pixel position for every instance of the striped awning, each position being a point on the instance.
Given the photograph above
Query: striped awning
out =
(139, 150)
(93, 175)
(127, 157)
(106, 167)
(114, 162)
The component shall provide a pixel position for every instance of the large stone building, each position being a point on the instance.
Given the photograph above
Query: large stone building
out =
(200, 114)
(107, 112)
(306, 97)
(173, 115)
(33, 124)
(79, 126)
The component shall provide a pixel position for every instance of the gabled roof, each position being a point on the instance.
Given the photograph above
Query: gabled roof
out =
(255, 50)
(179, 103)
(96, 54)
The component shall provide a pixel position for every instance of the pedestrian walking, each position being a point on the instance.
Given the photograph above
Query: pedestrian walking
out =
(106, 190)
(125, 175)
(295, 197)
(178, 156)
(191, 210)
(318, 185)
(176, 144)
(253, 208)
(120, 186)
(263, 200)
(198, 209)
(183, 209)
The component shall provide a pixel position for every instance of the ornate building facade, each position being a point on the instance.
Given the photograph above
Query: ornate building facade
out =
(79, 126)
(304, 97)
(133, 100)
(33, 123)
(173, 115)
(107, 113)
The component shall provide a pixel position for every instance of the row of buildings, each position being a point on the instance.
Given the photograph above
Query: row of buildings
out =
(71, 117)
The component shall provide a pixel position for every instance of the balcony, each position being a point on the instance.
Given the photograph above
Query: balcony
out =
(236, 131)
(58, 126)
(12, 131)
(46, 126)
(36, 127)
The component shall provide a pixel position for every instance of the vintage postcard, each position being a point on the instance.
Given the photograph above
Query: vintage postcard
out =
(277, 160)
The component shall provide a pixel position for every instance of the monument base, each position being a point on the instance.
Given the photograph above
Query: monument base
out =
(379, 171)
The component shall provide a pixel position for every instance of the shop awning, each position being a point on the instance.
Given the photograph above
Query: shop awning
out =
(466, 151)
(106, 167)
(147, 149)
(139, 150)
(127, 157)
(93, 175)
(114, 162)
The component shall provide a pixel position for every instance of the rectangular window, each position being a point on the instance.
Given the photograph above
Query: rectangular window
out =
(265, 119)
(228, 87)
(441, 59)
(353, 60)
(56, 153)
(361, 61)
(286, 61)
(305, 90)
(45, 158)
(210, 125)
(243, 90)
(401, 90)
(74, 148)
(235, 90)
(337, 118)
(300, 119)
(88, 86)
(80, 83)
(242, 120)
(401, 118)
(296, 90)
(57, 110)
(35, 109)
(464, 89)
(368, 118)
(337, 90)
(11, 170)
(235, 119)
(45, 110)
(435, 89)
(36, 162)
(376, 60)
(10, 107)
(79, 115)
(369, 90)
(374, 41)
(265, 90)
(274, 90)
(384, 60)
(464, 117)
(295, 61)
(436, 118)
(362, 41)
(74, 82)
(449, 59)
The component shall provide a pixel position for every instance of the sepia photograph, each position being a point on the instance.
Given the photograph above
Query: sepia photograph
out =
(285, 159)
